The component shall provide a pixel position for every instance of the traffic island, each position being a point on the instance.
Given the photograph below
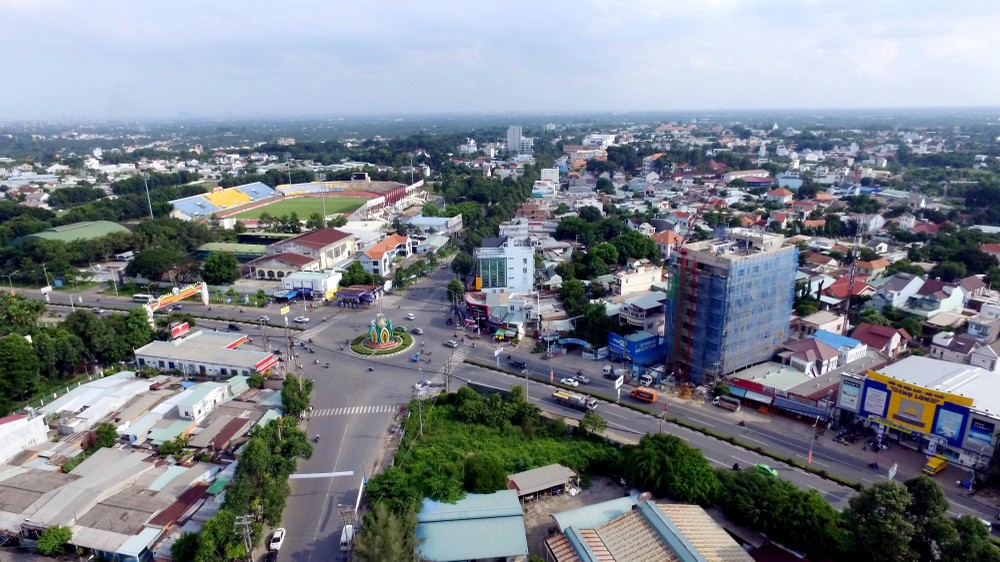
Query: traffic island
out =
(382, 339)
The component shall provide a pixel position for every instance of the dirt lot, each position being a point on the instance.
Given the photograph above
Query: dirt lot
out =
(537, 520)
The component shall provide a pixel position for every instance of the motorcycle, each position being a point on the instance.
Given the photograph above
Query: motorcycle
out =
(737, 467)
(873, 465)
(327, 366)
(371, 369)
(316, 439)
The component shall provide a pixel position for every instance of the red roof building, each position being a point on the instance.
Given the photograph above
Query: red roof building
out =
(888, 340)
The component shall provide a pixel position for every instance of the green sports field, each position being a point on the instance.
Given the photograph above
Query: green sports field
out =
(305, 206)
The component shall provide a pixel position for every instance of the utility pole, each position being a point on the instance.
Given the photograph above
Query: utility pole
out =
(263, 333)
(854, 271)
(244, 521)
(145, 182)
(447, 371)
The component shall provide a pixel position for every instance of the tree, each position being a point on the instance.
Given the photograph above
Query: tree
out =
(634, 245)
(154, 263)
(337, 221)
(463, 265)
(54, 539)
(19, 315)
(574, 296)
(295, 393)
(484, 474)
(20, 368)
(590, 214)
(220, 268)
(876, 520)
(106, 435)
(135, 328)
(387, 537)
(315, 222)
(972, 542)
(185, 548)
(593, 423)
(455, 290)
(667, 466)
(928, 514)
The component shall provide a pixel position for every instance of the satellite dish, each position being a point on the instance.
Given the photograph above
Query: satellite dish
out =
(644, 497)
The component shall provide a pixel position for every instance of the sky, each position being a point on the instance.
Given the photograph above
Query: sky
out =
(120, 59)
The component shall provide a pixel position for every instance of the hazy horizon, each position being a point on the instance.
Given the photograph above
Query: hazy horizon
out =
(320, 60)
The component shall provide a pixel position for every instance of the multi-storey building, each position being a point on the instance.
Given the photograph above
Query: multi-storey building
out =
(732, 302)
(504, 268)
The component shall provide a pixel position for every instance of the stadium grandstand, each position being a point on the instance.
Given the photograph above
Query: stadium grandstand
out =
(384, 195)
(200, 207)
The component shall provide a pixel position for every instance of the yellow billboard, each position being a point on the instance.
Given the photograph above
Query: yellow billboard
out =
(284, 310)
(907, 404)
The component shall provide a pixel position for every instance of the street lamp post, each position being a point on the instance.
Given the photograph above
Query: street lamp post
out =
(145, 182)
(10, 282)
(322, 194)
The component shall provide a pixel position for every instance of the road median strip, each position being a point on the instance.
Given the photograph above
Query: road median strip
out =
(790, 461)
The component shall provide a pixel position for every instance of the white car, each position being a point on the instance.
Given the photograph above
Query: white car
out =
(569, 381)
(277, 539)
(422, 385)
(263, 318)
(301, 320)
(411, 316)
(451, 343)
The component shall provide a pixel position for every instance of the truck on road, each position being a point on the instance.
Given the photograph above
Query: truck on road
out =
(574, 400)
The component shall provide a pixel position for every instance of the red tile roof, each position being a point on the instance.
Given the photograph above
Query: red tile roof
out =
(877, 336)
(286, 257)
(780, 192)
(319, 239)
(378, 250)
(839, 287)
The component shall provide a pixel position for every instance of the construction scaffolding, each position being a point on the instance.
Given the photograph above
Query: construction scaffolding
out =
(732, 304)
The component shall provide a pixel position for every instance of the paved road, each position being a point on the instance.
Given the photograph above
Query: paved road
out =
(354, 409)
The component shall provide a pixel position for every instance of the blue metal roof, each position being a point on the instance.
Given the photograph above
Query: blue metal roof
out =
(257, 191)
(476, 527)
(593, 516)
(835, 341)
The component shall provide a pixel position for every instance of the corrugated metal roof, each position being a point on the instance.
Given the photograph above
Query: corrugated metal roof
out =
(476, 527)
(541, 478)
(592, 516)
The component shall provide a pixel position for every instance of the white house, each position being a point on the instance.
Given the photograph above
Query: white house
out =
(202, 399)
(18, 432)
(378, 259)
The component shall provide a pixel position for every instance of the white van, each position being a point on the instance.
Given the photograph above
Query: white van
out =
(347, 538)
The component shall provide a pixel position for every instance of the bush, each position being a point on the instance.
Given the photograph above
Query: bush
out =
(53, 539)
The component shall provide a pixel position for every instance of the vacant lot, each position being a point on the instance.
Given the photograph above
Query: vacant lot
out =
(305, 206)
(538, 521)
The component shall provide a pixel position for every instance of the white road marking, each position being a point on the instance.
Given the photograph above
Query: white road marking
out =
(322, 474)
(352, 410)
(607, 413)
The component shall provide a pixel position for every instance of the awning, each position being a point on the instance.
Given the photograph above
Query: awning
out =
(758, 397)
(737, 392)
(800, 408)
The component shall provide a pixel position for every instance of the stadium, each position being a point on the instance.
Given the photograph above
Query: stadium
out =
(359, 197)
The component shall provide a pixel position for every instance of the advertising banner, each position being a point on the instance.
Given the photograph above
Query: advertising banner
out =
(850, 395)
(982, 431)
(923, 409)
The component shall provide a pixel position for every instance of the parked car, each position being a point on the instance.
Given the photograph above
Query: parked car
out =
(277, 539)
(97, 310)
(451, 343)
(301, 320)
(514, 363)
(410, 316)
(569, 381)
(582, 379)
(418, 331)
(234, 327)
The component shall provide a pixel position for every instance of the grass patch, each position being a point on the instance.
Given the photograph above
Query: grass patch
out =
(306, 206)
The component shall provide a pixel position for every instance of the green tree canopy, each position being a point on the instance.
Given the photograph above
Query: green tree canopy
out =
(20, 368)
(387, 537)
(877, 520)
(667, 466)
(220, 268)
(155, 262)
(484, 474)
(463, 264)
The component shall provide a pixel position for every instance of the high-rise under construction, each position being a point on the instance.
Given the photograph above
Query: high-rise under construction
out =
(732, 303)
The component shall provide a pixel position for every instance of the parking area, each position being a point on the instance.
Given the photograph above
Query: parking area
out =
(538, 522)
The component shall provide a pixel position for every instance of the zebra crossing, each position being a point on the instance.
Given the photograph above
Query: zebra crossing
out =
(352, 410)
(437, 381)
(423, 307)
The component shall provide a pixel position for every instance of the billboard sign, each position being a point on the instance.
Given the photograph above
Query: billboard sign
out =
(982, 431)
(850, 395)
(178, 329)
(619, 382)
(284, 310)
(917, 408)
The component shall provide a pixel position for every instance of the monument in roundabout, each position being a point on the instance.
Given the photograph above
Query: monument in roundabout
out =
(381, 336)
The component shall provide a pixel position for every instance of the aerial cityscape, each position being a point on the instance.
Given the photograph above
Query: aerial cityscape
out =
(699, 281)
